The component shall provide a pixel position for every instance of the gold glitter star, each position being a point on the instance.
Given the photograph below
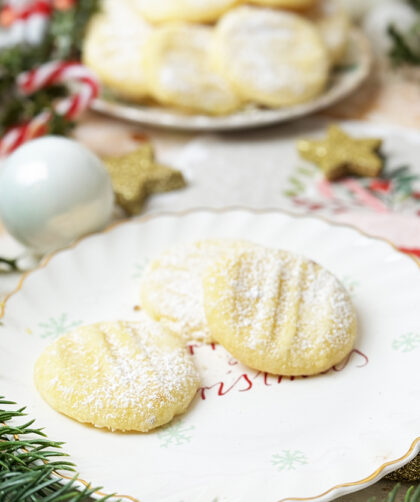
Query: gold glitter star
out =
(339, 154)
(136, 175)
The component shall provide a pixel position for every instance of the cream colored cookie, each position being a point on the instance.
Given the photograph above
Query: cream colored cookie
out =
(286, 4)
(114, 48)
(198, 11)
(126, 376)
(179, 71)
(171, 288)
(278, 312)
(334, 25)
(272, 57)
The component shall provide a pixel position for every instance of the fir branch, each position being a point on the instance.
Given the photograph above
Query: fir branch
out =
(411, 495)
(67, 29)
(402, 50)
(15, 109)
(415, 4)
(27, 469)
(11, 264)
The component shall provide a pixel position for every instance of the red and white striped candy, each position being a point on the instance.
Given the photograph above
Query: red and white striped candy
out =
(72, 74)
(24, 21)
(11, 13)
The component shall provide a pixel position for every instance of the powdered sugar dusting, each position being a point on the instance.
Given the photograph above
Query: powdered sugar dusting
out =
(184, 72)
(129, 373)
(284, 309)
(115, 43)
(172, 290)
(274, 53)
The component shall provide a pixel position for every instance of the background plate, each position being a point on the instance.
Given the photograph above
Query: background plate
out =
(344, 80)
(247, 436)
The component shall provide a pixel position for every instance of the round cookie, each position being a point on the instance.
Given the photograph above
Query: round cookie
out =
(285, 4)
(126, 376)
(114, 48)
(171, 288)
(179, 72)
(334, 25)
(202, 11)
(278, 312)
(274, 58)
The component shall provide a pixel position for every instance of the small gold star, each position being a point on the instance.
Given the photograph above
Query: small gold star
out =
(339, 154)
(136, 175)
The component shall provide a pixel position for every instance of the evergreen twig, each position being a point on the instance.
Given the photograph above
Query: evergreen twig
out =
(415, 4)
(28, 471)
(411, 495)
(402, 51)
(11, 264)
(406, 46)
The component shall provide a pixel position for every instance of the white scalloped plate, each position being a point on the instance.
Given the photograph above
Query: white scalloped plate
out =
(247, 437)
(343, 82)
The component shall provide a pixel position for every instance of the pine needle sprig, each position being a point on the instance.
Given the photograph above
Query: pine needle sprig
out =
(406, 46)
(415, 4)
(404, 49)
(10, 264)
(67, 29)
(29, 463)
(411, 495)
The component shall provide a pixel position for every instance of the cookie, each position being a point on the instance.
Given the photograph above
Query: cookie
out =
(114, 49)
(125, 376)
(179, 72)
(202, 11)
(285, 4)
(334, 25)
(272, 57)
(171, 287)
(278, 312)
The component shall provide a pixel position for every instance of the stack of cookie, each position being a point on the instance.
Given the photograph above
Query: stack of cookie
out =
(273, 310)
(216, 56)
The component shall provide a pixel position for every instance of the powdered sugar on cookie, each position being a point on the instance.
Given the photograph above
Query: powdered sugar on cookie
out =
(171, 289)
(120, 375)
(279, 312)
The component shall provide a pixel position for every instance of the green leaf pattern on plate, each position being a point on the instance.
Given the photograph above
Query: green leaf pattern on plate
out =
(288, 460)
(138, 268)
(406, 342)
(350, 284)
(56, 326)
(175, 434)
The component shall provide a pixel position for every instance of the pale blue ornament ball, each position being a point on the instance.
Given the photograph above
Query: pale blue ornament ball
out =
(52, 191)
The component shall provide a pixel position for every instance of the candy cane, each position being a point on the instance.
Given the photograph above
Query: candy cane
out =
(10, 14)
(55, 72)
(25, 22)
